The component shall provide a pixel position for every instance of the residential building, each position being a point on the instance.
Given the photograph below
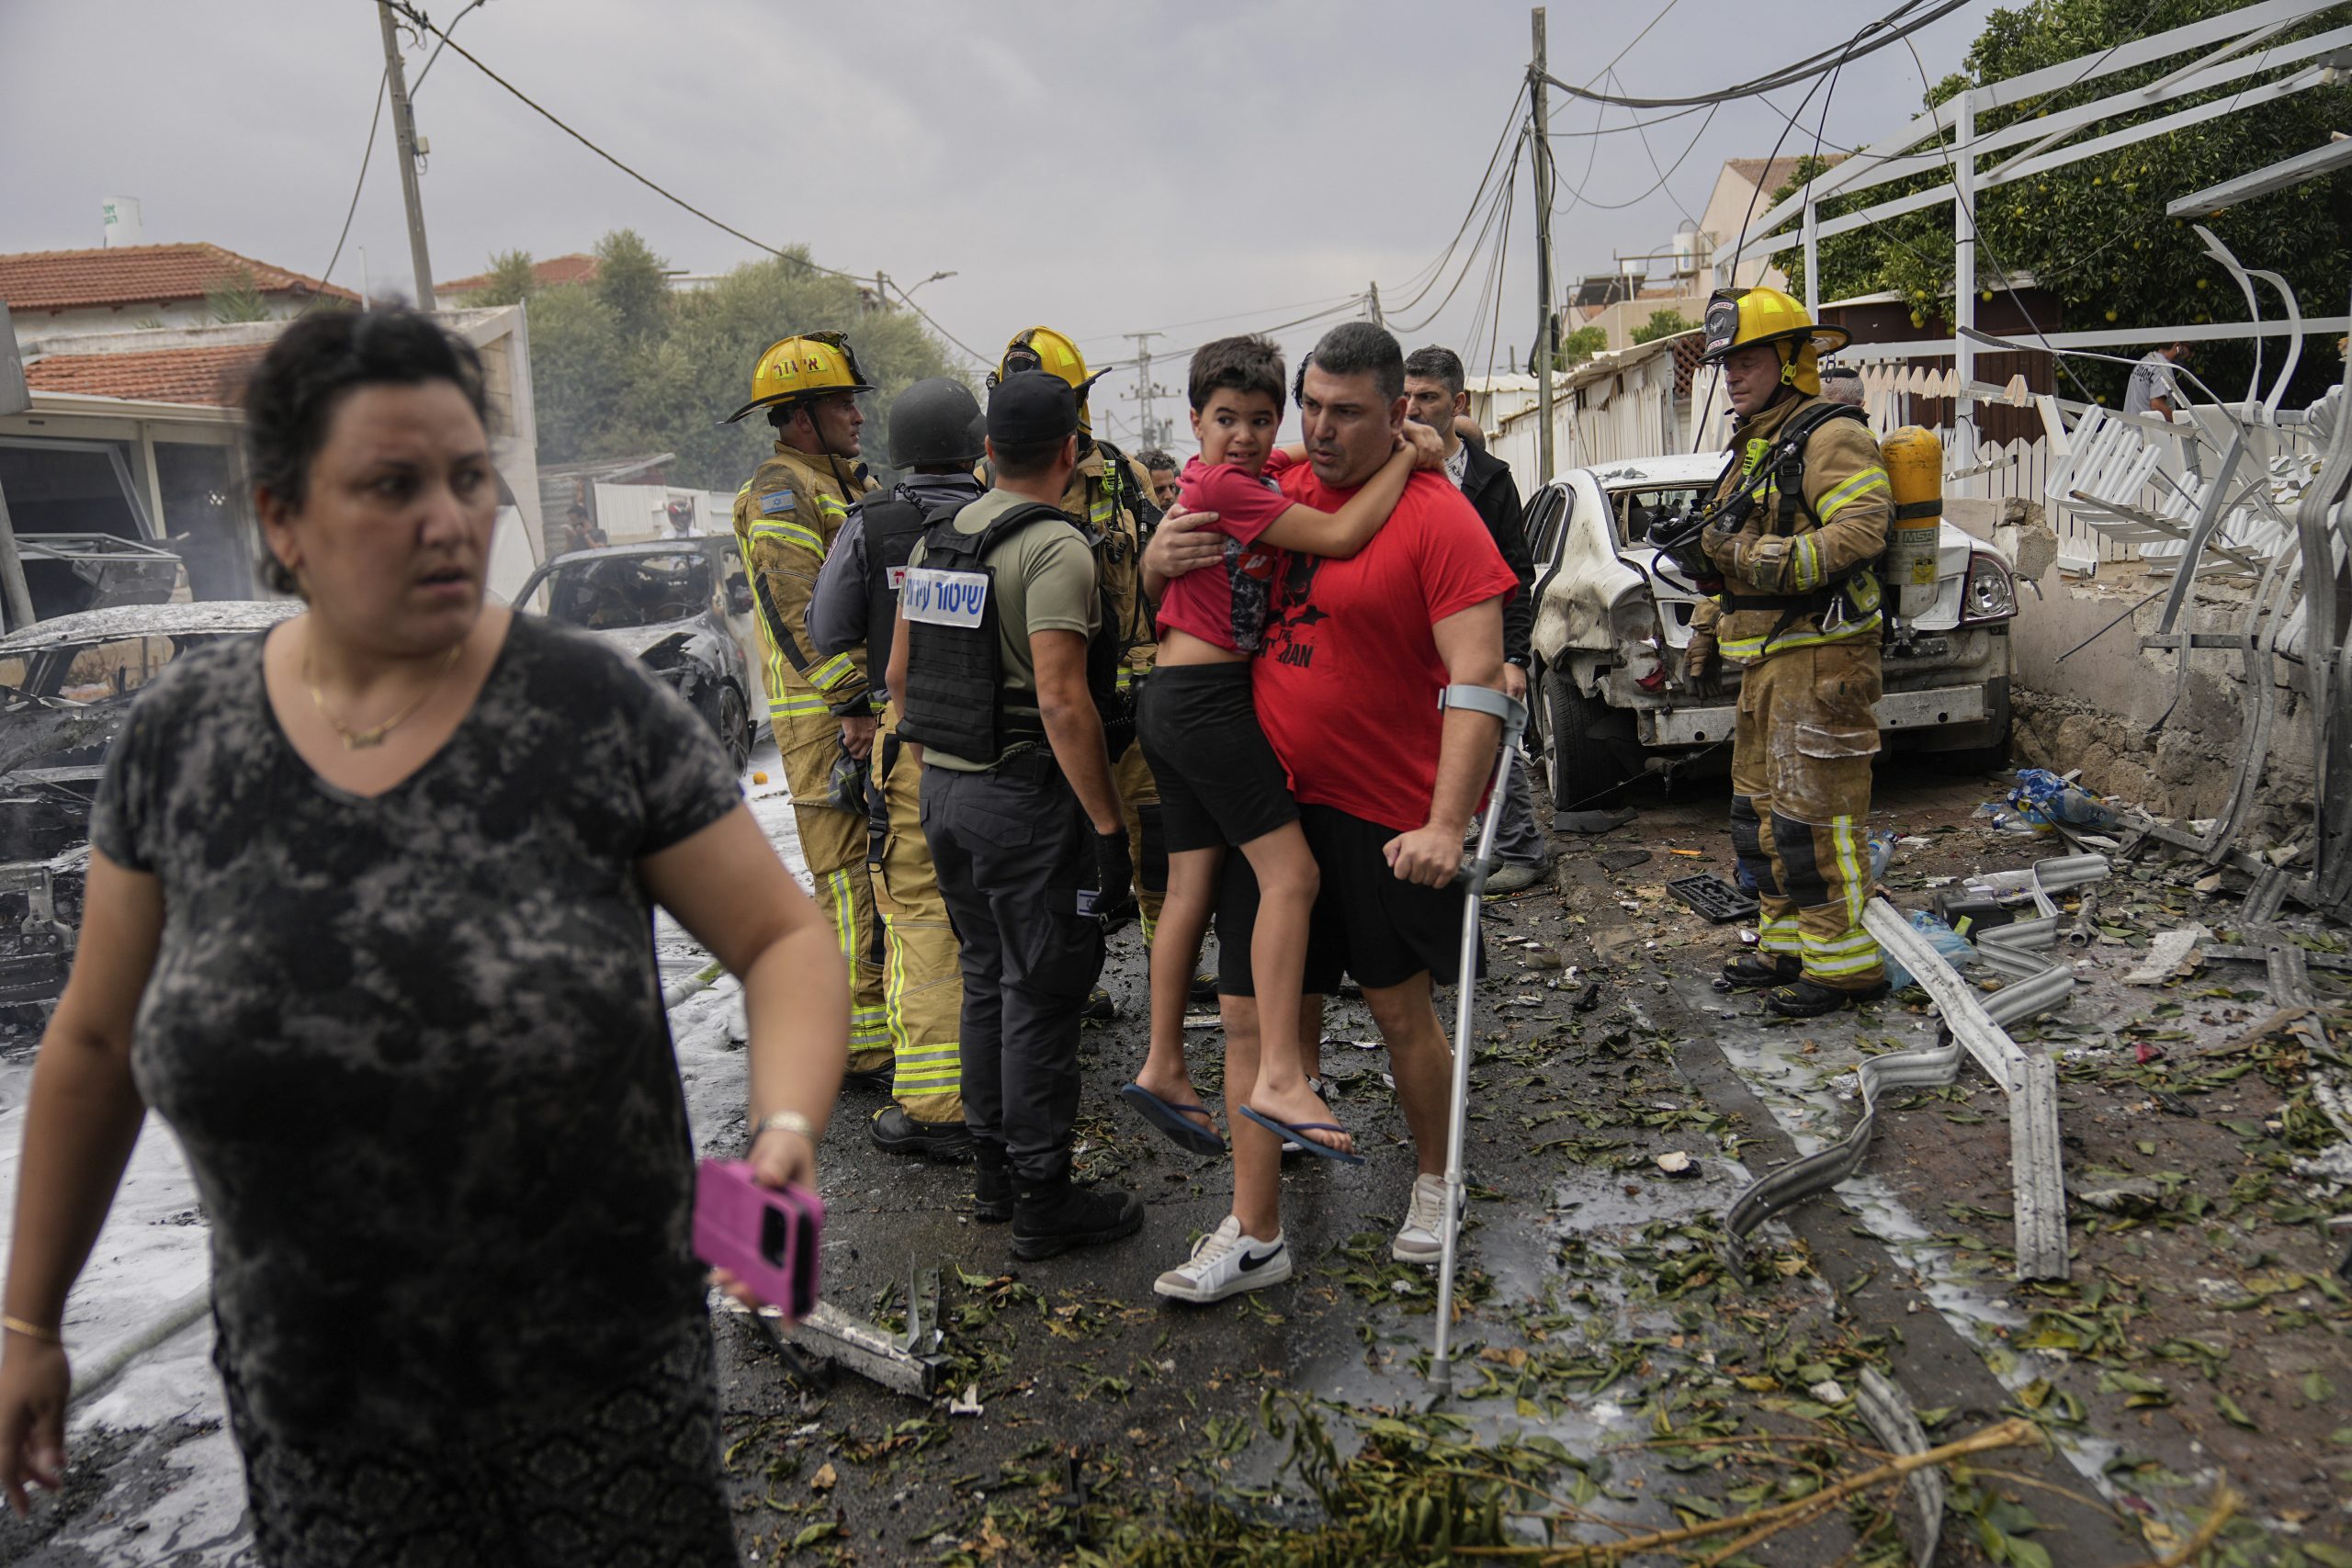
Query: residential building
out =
(114, 288)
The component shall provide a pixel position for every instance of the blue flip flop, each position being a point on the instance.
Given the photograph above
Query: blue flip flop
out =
(1297, 1133)
(1192, 1137)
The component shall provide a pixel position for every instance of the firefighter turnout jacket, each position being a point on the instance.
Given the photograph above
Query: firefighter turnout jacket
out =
(1111, 493)
(786, 519)
(1797, 571)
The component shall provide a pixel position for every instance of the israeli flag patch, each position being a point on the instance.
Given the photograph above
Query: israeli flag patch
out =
(777, 501)
(943, 598)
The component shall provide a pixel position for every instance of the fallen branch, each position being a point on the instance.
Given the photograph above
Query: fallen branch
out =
(2226, 1504)
(2010, 1434)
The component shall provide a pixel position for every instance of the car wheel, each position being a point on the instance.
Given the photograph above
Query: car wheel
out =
(1580, 762)
(734, 727)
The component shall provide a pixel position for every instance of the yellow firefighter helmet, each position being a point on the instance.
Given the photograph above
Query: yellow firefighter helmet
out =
(1739, 317)
(1042, 348)
(813, 364)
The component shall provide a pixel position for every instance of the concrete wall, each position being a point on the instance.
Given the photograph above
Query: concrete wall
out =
(2087, 696)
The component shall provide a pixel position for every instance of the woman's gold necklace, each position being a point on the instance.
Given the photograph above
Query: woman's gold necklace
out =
(360, 740)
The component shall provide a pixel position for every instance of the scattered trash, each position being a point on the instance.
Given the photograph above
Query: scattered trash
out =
(1623, 859)
(2168, 953)
(1882, 852)
(1594, 821)
(1829, 1391)
(2042, 802)
(1948, 941)
(1677, 1164)
(967, 1404)
(826, 1478)
(1589, 1000)
(1713, 897)
(759, 778)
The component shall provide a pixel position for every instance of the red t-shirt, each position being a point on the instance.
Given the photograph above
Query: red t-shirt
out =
(1347, 682)
(1226, 603)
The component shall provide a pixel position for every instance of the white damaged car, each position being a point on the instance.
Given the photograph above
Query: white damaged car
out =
(1609, 699)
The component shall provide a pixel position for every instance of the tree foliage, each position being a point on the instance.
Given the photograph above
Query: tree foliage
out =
(236, 297)
(2093, 232)
(622, 364)
(1579, 346)
(1662, 324)
(511, 280)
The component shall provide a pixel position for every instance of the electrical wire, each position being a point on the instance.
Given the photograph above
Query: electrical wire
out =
(438, 48)
(1436, 269)
(1900, 22)
(384, 84)
(1500, 207)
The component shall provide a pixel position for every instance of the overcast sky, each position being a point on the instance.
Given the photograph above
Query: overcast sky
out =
(1103, 168)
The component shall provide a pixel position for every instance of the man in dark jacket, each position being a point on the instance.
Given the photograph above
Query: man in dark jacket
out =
(1435, 396)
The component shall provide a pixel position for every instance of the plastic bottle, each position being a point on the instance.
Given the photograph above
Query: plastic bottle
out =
(1948, 941)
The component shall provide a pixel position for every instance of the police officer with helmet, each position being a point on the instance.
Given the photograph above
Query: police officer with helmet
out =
(786, 518)
(1795, 524)
(935, 438)
(1003, 666)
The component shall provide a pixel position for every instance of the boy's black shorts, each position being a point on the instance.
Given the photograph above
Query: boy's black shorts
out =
(1367, 923)
(1220, 780)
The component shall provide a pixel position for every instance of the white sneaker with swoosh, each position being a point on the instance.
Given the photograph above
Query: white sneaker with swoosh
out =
(1226, 1263)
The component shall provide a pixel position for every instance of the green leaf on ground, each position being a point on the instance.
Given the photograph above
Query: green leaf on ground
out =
(2232, 1413)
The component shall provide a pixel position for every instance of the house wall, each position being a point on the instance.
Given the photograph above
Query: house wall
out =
(1733, 204)
(179, 313)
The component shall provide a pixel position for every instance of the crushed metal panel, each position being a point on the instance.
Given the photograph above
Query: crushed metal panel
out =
(2040, 1184)
(1890, 1414)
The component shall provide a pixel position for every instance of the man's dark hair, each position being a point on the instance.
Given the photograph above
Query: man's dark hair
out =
(1155, 460)
(290, 398)
(1025, 459)
(1358, 348)
(1437, 363)
(1247, 364)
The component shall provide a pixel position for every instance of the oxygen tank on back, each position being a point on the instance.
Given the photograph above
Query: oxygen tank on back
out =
(1913, 460)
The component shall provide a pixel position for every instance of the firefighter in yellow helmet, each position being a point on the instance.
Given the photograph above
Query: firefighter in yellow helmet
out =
(1798, 518)
(821, 707)
(1111, 494)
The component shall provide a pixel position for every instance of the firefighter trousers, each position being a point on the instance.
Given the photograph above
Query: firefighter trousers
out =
(833, 841)
(1801, 756)
(1139, 803)
(923, 995)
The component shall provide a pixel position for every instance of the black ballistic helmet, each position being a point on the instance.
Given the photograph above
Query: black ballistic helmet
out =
(934, 422)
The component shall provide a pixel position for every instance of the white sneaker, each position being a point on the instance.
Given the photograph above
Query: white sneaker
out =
(1417, 1239)
(1226, 1263)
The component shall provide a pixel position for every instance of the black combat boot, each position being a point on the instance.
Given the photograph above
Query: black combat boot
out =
(894, 1132)
(1757, 971)
(991, 1184)
(1054, 1216)
(1808, 998)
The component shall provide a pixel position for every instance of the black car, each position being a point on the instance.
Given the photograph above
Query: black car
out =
(65, 689)
(684, 605)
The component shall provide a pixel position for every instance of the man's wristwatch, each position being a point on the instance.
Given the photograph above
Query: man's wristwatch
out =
(784, 1122)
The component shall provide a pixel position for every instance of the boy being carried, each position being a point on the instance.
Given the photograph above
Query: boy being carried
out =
(1220, 784)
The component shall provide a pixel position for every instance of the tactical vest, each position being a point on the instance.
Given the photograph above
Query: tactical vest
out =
(954, 698)
(891, 529)
(1783, 467)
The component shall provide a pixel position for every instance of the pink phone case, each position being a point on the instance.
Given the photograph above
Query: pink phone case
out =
(764, 1237)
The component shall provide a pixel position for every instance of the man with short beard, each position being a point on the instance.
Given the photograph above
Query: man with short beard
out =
(1347, 688)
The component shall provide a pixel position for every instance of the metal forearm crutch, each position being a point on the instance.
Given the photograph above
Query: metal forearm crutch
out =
(1472, 880)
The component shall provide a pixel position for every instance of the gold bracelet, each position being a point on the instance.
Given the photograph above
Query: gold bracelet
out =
(31, 1330)
(785, 1121)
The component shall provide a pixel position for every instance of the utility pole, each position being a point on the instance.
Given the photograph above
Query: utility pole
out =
(1547, 333)
(1374, 296)
(1143, 388)
(404, 134)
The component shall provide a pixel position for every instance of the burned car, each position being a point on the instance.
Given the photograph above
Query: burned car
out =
(684, 605)
(1612, 620)
(65, 689)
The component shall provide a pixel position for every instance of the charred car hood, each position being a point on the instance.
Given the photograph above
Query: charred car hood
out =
(636, 641)
(35, 736)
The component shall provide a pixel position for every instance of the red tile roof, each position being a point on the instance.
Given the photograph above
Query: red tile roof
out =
(140, 275)
(207, 375)
(554, 270)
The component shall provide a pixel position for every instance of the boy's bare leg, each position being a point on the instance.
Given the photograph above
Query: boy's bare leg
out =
(1421, 1060)
(1175, 958)
(1287, 882)
(1257, 1154)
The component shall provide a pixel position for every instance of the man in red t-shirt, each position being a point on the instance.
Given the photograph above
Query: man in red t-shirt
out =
(1355, 654)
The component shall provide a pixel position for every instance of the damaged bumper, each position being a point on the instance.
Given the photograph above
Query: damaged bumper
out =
(1933, 708)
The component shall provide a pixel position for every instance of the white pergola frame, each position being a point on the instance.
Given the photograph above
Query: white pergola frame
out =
(2234, 48)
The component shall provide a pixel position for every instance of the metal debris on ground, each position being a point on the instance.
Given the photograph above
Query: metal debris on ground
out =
(1718, 900)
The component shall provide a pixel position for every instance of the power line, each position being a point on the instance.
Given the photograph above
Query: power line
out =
(801, 258)
(1500, 207)
(1436, 269)
(1787, 75)
(359, 185)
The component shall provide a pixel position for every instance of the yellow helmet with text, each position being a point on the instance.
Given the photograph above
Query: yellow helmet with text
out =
(1739, 317)
(1042, 348)
(813, 364)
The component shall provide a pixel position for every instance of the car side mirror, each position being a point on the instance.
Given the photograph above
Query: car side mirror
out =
(738, 598)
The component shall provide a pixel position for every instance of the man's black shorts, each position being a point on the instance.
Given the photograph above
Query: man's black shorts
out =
(1219, 781)
(1367, 923)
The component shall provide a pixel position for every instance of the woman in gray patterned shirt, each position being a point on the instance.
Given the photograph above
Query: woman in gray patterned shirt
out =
(368, 923)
